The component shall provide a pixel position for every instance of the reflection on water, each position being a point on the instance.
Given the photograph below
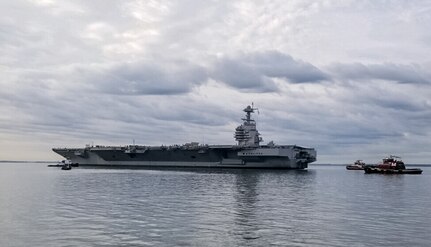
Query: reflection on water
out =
(324, 206)
(265, 202)
(246, 223)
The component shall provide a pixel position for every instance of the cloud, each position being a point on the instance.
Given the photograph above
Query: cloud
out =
(256, 70)
(248, 71)
(347, 78)
(401, 73)
(147, 78)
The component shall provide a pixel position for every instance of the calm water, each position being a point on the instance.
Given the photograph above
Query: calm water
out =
(324, 206)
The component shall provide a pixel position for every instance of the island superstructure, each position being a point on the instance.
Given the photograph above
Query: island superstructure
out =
(247, 153)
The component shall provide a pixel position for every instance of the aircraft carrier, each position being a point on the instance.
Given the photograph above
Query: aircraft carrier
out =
(247, 153)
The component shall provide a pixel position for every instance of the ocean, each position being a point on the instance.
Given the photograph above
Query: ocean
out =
(325, 205)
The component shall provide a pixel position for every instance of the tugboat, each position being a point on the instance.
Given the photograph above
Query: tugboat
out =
(59, 164)
(66, 167)
(358, 165)
(391, 165)
(65, 163)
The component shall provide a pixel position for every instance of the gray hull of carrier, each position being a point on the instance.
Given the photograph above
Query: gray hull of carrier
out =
(248, 153)
(289, 157)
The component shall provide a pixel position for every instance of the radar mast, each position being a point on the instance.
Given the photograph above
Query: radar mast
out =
(246, 134)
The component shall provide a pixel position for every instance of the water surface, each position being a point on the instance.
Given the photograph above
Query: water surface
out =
(322, 206)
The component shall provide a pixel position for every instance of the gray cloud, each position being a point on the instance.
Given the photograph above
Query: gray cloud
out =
(401, 73)
(145, 78)
(255, 70)
(251, 71)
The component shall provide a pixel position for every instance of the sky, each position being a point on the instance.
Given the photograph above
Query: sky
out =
(351, 79)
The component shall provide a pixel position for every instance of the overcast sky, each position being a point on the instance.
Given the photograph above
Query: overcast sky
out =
(349, 78)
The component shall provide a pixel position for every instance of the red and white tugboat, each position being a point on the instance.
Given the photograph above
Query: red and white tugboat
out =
(391, 165)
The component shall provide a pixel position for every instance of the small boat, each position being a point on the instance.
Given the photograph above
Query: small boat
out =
(358, 165)
(64, 164)
(391, 165)
(56, 165)
(66, 167)
(60, 164)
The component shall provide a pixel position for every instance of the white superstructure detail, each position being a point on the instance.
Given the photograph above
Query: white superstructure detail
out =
(246, 134)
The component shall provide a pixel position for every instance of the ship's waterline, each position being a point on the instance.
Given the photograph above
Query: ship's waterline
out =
(248, 153)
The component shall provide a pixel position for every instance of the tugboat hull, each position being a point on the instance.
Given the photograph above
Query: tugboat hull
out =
(369, 170)
(392, 165)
